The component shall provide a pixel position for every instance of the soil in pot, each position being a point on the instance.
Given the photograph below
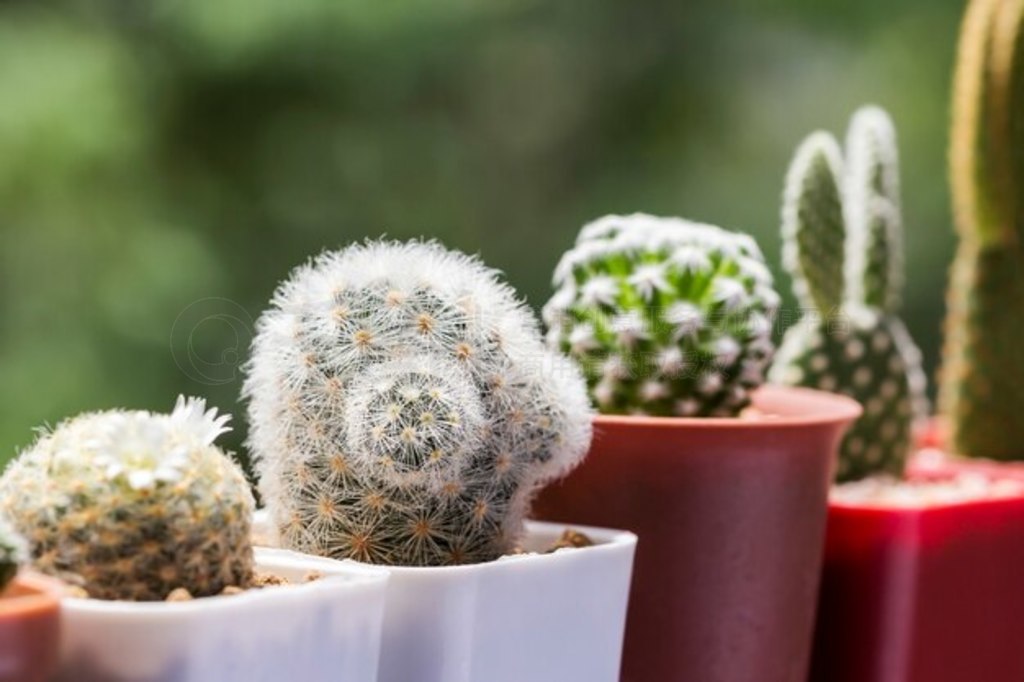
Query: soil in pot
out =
(922, 579)
(260, 580)
(29, 629)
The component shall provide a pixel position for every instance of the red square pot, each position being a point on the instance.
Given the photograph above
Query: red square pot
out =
(929, 594)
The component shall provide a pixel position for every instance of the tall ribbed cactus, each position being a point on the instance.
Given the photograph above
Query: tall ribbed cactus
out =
(13, 553)
(404, 409)
(665, 316)
(133, 505)
(982, 387)
(842, 245)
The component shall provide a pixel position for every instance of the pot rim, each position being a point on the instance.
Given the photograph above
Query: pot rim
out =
(337, 575)
(606, 540)
(43, 593)
(781, 407)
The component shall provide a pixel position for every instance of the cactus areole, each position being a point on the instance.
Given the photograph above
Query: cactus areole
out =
(403, 407)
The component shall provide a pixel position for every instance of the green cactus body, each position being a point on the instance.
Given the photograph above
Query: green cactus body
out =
(132, 505)
(404, 409)
(13, 553)
(982, 381)
(665, 316)
(842, 240)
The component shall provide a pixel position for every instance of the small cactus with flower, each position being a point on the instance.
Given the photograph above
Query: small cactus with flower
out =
(13, 553)
(666, 317)
(134, 505)
(404, 409)
(842, 237)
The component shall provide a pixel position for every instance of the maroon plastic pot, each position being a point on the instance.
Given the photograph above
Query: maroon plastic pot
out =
(29, 629)
(731, 519)
(925, 594)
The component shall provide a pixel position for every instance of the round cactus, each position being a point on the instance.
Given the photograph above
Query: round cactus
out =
(404, 409)
(842, 246)
(13, 553)
(665, 316)
(132, 505)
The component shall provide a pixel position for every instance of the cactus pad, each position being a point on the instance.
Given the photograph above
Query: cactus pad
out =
(844, 256)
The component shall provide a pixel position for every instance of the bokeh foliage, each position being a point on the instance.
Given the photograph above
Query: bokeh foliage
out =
(158, 154)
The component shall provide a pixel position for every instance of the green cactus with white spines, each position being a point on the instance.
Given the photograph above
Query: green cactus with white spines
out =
(404, 409)
(982, 378)
(842, 241)
(666, 317)
(132, 505)
(13, 553)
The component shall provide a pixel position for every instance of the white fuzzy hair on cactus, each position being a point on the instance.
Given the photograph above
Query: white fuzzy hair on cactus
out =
(404, 408)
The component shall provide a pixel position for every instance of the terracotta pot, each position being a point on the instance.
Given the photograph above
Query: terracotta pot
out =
(925, 594)
(29, 628)
(731, 519)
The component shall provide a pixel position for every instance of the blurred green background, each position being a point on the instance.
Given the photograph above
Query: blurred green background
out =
(164, 163)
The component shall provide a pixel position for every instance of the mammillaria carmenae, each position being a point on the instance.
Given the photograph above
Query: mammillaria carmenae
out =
(982, 382)
(132, 505)
(404, 409)
(842, 246)
(13, 553)
(665, 316)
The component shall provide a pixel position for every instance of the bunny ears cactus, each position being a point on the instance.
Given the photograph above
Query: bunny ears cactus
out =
(404, 409)
(842, 244)
(665, 316)
(131, 505)
(982, 386)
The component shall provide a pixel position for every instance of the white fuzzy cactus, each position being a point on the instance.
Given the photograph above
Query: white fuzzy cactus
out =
(404, 409)
(132, 505)
(665, 316)
(13, 553)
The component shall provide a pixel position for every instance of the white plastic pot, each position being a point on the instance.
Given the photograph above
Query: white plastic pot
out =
(533, 617)
(325, 630)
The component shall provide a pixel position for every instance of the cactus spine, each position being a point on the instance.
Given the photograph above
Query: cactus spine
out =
(404, 409)
(13, 553)
(665, 316)
(132, 505)
(982, 385)
(842, 239)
